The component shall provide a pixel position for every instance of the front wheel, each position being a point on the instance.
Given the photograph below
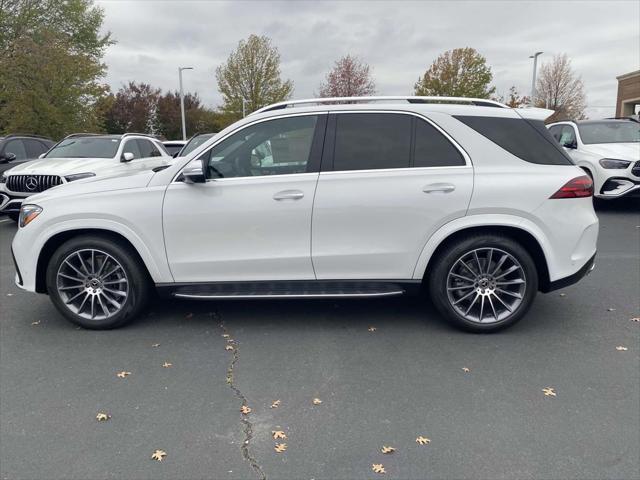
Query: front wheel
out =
(97, 283)
(483, 283)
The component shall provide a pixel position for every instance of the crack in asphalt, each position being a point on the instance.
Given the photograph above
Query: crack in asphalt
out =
(248, 426)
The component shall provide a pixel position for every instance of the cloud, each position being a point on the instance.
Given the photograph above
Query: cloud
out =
(399, 39)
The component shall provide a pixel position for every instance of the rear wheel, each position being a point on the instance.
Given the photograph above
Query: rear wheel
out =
(97, 282)
(483, 283)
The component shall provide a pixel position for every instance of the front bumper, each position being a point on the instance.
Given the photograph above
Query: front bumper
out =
(572, 279)
(10, 202)
(617, 187)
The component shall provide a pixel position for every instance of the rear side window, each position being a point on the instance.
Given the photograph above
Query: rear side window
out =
(372, 141)
(433, 149)
(526, 139)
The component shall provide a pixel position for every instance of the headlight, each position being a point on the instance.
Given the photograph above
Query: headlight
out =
(28, 213)
(79, 176)
(613, 163)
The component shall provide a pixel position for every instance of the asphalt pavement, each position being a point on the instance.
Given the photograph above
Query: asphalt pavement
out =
(386, 372)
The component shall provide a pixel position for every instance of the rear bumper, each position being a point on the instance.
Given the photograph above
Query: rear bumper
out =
(571, 279)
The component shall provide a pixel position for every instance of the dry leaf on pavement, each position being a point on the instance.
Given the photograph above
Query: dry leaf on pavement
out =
(155, 345)
(549, 392)
(278, 434)
(37, 322)
(228, 347)
(423, 440)
(372, 329)
(386, 450)
(378, 468)
(465, 369)
(102, 417)
(245, 410)
(167, 364)
(225, 335)
(611, 309)
(280, 447)
(275, 404)
(635, 319)
(563, 294)
(158, 455)
(123, 374)
(620, 348)
(317, 401)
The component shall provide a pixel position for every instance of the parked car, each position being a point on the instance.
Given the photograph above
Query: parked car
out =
(173, 147)
(194, 142)
(77, 157)
(469, 200)
(608, 150)
(16, 149)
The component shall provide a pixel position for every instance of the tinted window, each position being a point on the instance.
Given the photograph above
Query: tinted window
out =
(371, 141)
(34, 148)
(172, 148)
(526, 139)
(16, 147)
(610, 132)
(567, 135)
(147, 148)
(433, 149)
(132, 147)
(274, 147)
(85, 147)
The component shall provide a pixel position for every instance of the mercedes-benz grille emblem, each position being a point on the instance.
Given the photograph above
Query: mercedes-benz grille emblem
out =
(31, 183)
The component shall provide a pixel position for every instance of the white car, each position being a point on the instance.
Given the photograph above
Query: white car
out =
(608, 150)
(77, 157)
(470, 201)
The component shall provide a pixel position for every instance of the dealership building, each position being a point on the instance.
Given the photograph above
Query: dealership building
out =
(628, 94)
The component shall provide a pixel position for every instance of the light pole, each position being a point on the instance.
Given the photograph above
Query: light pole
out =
(184, 127)
(244, 108)
(533, 81)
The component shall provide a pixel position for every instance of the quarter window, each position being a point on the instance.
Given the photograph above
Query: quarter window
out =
(433, 149)
(147, 148)
(274, 147)
(366, 141)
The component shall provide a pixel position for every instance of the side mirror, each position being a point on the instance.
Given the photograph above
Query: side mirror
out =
(194, 172)
(7, 157)
(127, 157)
(570, 144)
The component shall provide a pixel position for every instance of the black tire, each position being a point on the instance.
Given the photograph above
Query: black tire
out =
(15, 216)
(139, 283)
(444, 262)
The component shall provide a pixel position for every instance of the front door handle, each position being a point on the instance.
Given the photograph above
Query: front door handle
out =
(288, 195)
(439, 188)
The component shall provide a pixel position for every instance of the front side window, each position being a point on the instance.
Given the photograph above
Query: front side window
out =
(132, 147)
(567, 135)
(274, 147)
(17, 148)
(85, 147)
(35, 148)
(610, 132)
(366, 141)
(147, 148)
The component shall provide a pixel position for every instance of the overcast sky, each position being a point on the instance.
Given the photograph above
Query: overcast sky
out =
(398, 39)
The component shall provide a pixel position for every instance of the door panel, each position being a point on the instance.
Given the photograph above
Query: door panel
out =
(373, 224)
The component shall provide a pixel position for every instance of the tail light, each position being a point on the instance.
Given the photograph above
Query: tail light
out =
(576, 188)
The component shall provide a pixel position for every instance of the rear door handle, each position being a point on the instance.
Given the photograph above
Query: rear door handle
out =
(439, 188)
(288, 195)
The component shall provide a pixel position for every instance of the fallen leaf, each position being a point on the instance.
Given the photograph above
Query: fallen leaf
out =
(549, 392)
(611, 309)
(275, 404)
(245, 410)
(155, 345)
(423, 440)
(188, 316)
(620, 348)
(158, 455)
(465, 370)
(386, 450)
(635, 319)
(9, 294)
(280, 447)
(225, 335)
(123, 374)
(37, 322)
(563, 294)
(228, 347)
(378, 468)
(102, 417)
(278, 434)
(372, 329)
(317, 401)
(167, 364)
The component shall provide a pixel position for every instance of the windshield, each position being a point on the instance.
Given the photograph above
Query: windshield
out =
(609, 132)
(194, 143)
(85, 147)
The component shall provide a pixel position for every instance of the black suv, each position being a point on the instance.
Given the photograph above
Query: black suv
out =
(16, 149)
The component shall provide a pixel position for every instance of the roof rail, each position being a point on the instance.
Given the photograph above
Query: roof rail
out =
(128, 134)
(83, 134)
(479, 102)
(27, 135)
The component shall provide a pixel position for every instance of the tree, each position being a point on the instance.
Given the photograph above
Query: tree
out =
(50, 65)
(252, 73)
(134, 109)
(514, 100)
(461, 72)
(558, 88)
(349, 77)
(197, 117)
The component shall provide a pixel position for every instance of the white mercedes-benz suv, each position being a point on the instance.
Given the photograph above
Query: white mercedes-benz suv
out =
(468, 200)
(76, 157)
(608, 150)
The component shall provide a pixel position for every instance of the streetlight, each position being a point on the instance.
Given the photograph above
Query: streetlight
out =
(533, 81)
(184, 128)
